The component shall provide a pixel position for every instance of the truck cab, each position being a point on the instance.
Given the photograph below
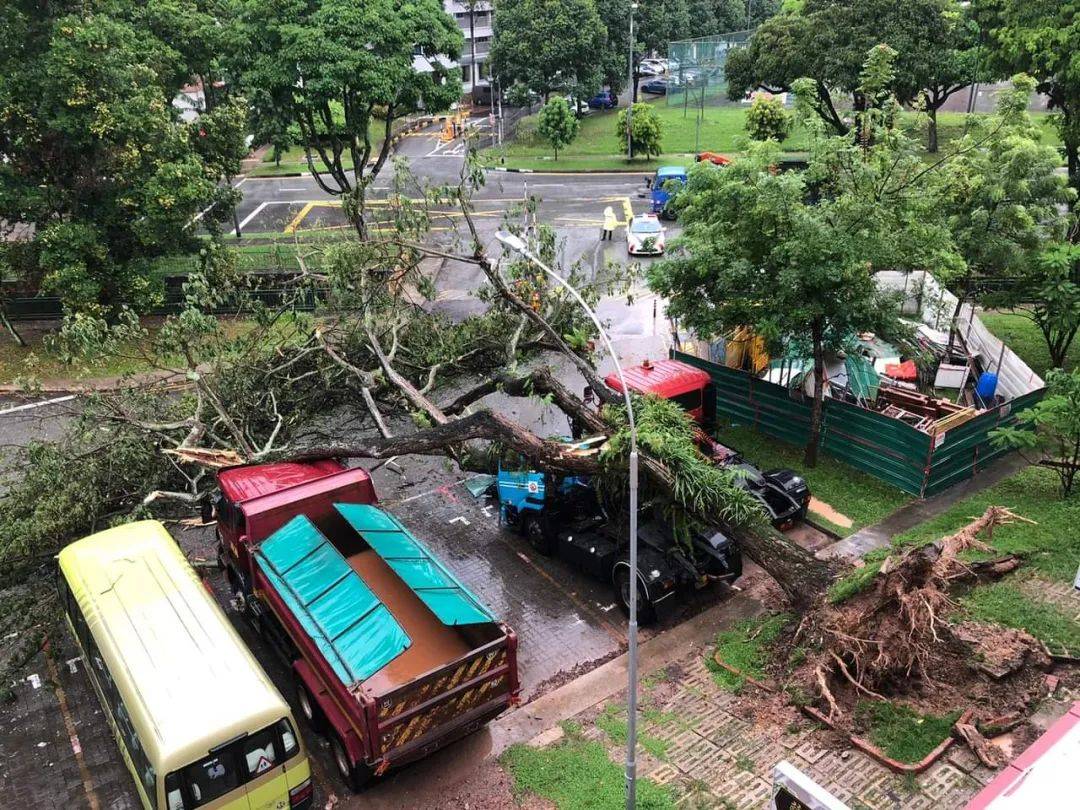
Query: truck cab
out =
(783, 493)
(663, 186)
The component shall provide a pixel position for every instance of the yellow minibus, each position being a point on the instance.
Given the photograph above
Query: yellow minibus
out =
(198, 722)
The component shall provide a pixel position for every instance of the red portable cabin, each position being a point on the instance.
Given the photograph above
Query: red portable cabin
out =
(670, 379)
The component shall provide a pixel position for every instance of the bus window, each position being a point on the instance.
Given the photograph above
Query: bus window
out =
(288, 737)
(260, 752)
(211, 778)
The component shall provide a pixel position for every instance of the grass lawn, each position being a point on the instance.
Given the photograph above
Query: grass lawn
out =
(744, 647)
(1022, 336)
(597, 147)
(1006, 604)
(1050, 548)
(38, 362)
(859, 496)
(578, 774)
(903, 734)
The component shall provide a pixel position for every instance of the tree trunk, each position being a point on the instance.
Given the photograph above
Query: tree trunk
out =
(811, 455)
(10, 327)
(931, 132)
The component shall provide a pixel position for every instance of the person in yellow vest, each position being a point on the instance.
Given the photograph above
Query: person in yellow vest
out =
(610, 224)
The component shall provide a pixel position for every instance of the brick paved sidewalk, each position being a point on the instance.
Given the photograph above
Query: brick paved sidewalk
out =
(693, 736)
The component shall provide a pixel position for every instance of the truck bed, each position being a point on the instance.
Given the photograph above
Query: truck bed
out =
(434, 644)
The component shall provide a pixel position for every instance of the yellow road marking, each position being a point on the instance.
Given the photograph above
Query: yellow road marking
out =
(292, 226)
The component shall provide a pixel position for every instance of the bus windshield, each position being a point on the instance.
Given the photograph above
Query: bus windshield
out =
(230, 766)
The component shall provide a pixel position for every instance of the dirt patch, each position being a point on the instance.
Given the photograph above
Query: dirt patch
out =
(830, 514)
(488, 788)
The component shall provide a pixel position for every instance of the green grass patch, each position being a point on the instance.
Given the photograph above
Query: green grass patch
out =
(744, 647)
(612, 721)
(722, 129)
(1022, 336)
(859, 496)
(900, 732)
(578, 775)
(1006, 604)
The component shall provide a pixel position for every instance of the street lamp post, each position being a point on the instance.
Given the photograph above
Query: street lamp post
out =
(517, 244)
(630, 103)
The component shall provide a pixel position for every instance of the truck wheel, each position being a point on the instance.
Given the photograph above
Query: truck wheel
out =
(533, 529)
(621, 581)
(309, 708)
(355, 776)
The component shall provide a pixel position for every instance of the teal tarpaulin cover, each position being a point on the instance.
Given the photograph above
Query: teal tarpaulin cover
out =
(862, 379)
(437, 588)
(352, 628)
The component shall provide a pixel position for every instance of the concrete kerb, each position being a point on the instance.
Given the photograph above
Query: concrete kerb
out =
(535, 722)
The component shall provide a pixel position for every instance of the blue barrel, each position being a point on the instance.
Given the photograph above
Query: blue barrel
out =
(987, 386)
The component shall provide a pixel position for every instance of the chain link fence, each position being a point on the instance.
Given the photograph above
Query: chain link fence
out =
(696, 76)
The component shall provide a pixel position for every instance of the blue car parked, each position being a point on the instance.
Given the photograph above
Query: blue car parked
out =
(663, 186)
(604, 100)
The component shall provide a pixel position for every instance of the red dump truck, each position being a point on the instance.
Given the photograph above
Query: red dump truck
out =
(393, 658)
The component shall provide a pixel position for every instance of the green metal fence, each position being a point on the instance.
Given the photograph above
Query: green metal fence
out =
(885, 448)
(696, 77)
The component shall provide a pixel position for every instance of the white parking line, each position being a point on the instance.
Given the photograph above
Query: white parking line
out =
(31, 405)
(251, 216)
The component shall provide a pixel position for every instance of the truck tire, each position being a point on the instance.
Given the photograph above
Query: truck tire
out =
(621, 583)
(540, 540)
(308, 707)
(355, 776)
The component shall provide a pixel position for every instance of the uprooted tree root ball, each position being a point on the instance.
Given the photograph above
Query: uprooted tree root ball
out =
(903, 640)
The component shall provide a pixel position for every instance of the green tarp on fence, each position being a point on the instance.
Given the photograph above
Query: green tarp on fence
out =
(885, 448)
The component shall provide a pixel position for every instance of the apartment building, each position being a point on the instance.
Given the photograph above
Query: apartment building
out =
(477, 39)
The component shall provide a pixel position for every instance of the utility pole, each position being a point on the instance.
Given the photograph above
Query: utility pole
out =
(630, 103)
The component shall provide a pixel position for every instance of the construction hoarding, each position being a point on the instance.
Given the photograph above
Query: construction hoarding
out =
(886, 448)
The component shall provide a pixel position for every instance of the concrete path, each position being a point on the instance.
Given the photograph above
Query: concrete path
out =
(916, 512)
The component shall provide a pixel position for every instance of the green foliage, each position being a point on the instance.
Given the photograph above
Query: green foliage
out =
(95, 156)
(666, 431)
(549, 45)
(768, 120)
(859, 579)
(557, 124)
(745, 647)
(1041, 39)
(1051, 426)
(647, 132)
(1006, 604)
(331, 67)
(578, 775)
(826, 41)
(900, 732)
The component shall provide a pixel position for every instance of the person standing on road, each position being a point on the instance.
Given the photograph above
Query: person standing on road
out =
(610, 223)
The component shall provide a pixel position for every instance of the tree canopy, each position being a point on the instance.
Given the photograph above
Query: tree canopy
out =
(95, 156)
(550, 45)
(343, 72)
(557, 124)
(1041, 38)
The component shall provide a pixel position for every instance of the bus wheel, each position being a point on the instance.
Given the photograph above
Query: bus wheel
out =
(621, 581)
(311, 711)
(355, 776)
(534, 532)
